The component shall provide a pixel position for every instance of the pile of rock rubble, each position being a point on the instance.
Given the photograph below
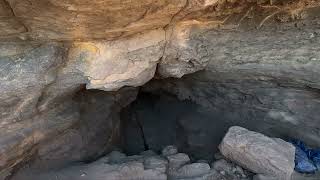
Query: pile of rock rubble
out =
(245, 155)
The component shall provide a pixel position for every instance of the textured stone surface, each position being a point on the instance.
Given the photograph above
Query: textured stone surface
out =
(96, 19)
(157, 163)
(112, 65)
(191, 170)
(169, 150)
(38, 77)
(112, 19)
(50, 50)
(23, 78)
(118, 166)
(259, 153)
(98, 118)
(83, 20)
(37, 86)
(178, 160)
(265, 81)
(229, 169)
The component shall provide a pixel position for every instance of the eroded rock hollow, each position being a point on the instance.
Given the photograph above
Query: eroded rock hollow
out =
(80, 79)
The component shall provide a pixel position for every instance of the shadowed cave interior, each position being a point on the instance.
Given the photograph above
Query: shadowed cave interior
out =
(192, 113)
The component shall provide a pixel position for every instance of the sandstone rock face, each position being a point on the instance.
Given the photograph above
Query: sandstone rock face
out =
(38, 81)
(186, 50)
(259, 153)
(91, 20)
(51, 51)
(265, 81)
(37, 86)
(112, 65)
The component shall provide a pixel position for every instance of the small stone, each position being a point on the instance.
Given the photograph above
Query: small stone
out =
(169, 150)
(116, 157)
(194, 169)
(191, 170)
(311, 35)
(313, 59)
(222, 165)
(156, 163)
(178, 160)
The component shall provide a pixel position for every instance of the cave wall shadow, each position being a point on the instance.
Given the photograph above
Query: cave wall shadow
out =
(195, 112)
(166, 120)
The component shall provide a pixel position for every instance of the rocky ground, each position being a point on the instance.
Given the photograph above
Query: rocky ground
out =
(148, 165)
(260, 157)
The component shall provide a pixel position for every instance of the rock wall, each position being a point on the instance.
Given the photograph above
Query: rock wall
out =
(51, 50)
(265, 80)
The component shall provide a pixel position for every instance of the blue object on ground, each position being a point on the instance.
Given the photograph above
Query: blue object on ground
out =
(306, 160)
(315, 157)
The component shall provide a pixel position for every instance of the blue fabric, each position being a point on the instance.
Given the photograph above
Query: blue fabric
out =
(315, 157)
(306, 160)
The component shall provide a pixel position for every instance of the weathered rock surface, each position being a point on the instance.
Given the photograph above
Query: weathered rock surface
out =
(124, 169)
(190, 171)
(37, 86)
(39, 80)
(79, 20)
(178, 160)
(258, 79)
(169, 150)
(118, 166)
(100, 19)
(50, 50)
(230, 170)
(112, 65)
(259, 153)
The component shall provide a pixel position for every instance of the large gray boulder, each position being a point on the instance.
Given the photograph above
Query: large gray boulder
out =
(259, 153)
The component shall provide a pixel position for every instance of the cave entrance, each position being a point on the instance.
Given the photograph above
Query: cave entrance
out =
(195, 112)
(157, 119)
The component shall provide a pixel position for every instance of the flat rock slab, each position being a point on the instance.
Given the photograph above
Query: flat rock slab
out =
(259, 153)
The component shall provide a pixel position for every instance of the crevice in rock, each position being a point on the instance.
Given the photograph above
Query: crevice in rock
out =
(170, 27)
(172, 20)
(16, 17)
(141, 131)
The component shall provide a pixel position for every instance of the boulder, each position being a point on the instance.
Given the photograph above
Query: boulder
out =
(259, 153)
